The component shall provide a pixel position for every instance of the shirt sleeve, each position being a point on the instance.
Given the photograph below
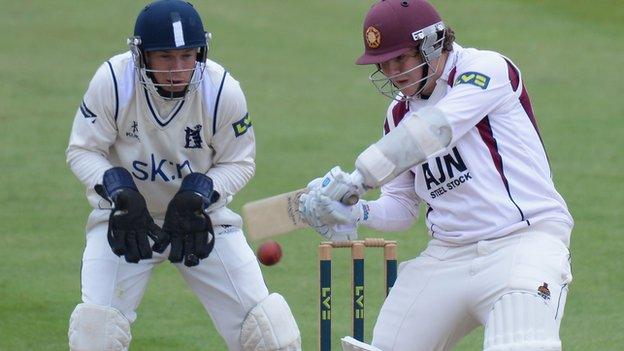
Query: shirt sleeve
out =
(397, 207)
(234, 143)
(94, 130)
(481, 86)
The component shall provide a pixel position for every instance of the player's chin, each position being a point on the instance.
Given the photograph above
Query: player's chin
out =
(406, 87)
(409, 91)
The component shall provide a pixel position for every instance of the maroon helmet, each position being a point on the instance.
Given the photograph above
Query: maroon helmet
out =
(393, 27)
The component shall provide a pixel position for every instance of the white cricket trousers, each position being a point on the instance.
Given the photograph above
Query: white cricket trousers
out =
(228, 283)
(447, 291)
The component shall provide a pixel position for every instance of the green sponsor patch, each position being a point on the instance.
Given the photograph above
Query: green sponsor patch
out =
(474, 78)
(240, 127)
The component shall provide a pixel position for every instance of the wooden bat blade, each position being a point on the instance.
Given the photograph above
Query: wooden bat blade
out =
(274, 215)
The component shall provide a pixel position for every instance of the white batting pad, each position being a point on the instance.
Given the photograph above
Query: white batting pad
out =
(521, 322)
(350, 344)
(270, 326)
(98, 328)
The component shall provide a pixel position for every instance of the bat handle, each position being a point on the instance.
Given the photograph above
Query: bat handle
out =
(350, 199)
(353, 196)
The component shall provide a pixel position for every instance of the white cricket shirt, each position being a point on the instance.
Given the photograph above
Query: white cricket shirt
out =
(494, 177)
(119, 123)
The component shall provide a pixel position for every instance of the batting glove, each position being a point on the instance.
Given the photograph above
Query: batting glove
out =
(341, 186)
(332, 219)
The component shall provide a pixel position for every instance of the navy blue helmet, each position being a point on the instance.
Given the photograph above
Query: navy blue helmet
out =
(168, 25)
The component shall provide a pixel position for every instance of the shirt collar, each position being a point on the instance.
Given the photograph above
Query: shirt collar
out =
(451, 61)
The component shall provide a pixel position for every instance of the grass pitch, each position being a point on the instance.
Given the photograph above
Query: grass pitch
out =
(312, 108)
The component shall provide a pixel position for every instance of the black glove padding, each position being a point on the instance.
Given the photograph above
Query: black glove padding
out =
(189, 228)
(130, 225)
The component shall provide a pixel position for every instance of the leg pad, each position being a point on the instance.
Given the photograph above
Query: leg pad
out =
(98, 328)
(270, 326)
(350, 344)
(521, 321)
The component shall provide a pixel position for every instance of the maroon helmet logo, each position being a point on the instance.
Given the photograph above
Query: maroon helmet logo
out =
(373, 37)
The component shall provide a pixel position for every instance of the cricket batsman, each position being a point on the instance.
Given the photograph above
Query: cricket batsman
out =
(162, 141)
(461, 139)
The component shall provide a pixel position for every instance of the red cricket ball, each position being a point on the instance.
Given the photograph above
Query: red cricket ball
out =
(269, 253)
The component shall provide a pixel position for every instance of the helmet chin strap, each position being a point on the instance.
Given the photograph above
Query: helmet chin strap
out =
(423, 82)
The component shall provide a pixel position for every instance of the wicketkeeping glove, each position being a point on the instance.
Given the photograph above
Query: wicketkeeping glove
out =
(186, 222)
(129, 223)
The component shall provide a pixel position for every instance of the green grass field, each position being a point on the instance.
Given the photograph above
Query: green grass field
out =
(312, 108)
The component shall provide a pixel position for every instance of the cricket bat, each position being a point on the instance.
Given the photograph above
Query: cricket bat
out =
(274, 215)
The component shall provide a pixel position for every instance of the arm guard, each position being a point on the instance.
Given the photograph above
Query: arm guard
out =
(417, 138)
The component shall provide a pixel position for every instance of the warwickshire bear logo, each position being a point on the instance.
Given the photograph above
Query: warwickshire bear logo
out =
(544, 292)
(193, 138)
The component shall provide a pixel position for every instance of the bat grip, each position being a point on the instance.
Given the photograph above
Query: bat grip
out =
(350, 199)
(353, 196)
